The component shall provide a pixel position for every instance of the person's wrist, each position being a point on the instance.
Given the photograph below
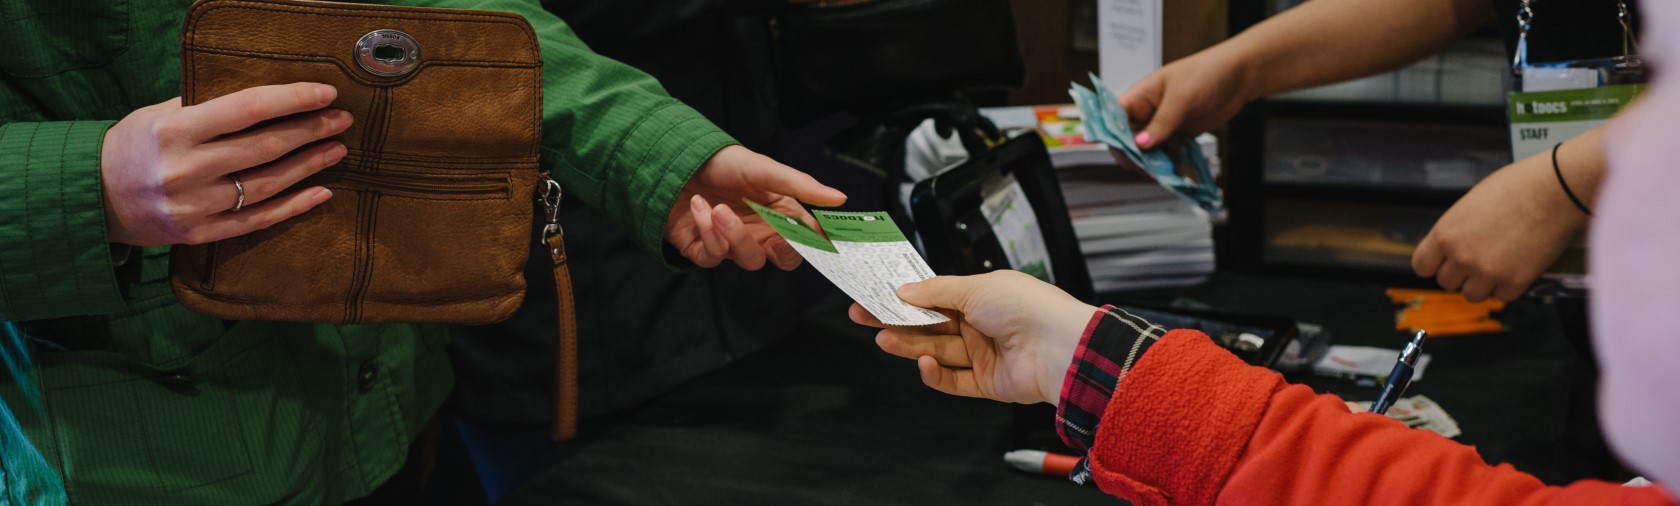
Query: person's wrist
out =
(1242, 70)
(1073, 323)
(1572, 178)
(1540, 180)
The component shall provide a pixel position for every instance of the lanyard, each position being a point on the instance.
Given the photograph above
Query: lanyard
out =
(1525, 21)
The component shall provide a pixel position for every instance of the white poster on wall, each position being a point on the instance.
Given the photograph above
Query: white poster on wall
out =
(1128, 41)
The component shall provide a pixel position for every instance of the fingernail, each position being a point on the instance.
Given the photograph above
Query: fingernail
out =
(340, 119)
(325, 93)
(323, 195)
(1143, 139)
(906, 289)
(724, 224)
(334, 154)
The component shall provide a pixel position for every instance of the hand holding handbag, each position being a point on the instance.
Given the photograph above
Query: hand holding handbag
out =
(431, 214)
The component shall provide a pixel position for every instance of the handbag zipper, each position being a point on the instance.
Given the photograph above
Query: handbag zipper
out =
(464, 186)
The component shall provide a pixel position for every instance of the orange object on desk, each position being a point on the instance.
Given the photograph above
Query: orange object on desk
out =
(1444, 313)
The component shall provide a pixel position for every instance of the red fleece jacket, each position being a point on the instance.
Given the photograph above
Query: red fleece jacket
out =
(1192, 424)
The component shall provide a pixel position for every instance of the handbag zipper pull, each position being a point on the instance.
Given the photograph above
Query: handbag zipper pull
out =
(549, 192)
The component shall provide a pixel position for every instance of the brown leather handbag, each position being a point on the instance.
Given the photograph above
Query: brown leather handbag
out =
(430, 220)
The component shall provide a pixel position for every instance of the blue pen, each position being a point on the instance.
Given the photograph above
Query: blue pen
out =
(1401, 376)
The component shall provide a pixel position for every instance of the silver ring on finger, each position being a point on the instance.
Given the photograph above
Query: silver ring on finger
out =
(238, 185)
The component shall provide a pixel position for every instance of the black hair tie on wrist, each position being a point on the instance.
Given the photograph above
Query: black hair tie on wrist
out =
(1566, 191)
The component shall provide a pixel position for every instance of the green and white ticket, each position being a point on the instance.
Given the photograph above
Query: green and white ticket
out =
(865, 255)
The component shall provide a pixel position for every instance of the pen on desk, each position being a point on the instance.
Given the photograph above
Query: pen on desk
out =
(1400, 376)
(1041, 462)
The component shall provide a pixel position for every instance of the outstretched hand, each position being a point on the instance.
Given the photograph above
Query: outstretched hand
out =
(1187, 97)
(708, 233)
(1498, 238)
(1011, 339)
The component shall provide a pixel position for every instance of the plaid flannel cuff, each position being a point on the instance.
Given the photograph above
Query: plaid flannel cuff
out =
(1112, 344)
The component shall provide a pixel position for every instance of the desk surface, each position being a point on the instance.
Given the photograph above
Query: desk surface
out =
(826, 418)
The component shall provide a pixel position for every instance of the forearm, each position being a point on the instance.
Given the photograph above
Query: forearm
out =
(1192, 424)
(614, 137)
(1326, 41)
(611, 135)
(55, 258)
(1308, 441)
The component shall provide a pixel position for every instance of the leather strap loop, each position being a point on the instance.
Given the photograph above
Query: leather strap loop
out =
(566, 352)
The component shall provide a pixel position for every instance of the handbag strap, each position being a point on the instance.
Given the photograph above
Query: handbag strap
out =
(566, 346)
(566, 352)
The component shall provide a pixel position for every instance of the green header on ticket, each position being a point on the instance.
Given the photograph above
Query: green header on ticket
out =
(1584, 104)
(859, 227)
(792, 229)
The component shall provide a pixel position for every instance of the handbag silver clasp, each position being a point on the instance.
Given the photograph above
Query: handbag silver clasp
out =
(388, 53)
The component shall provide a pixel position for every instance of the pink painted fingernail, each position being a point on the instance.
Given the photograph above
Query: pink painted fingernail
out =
(1143, 139)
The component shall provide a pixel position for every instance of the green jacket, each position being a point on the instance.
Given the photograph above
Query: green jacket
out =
(148, 403)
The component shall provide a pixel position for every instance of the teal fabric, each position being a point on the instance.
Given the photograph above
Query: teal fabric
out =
(153, 404)
(25, 476)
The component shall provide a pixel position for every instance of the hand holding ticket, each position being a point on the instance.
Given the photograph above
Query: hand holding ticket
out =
(865, 255)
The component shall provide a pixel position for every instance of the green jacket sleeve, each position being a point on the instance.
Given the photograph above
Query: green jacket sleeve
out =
(612, 136)
(54, 257)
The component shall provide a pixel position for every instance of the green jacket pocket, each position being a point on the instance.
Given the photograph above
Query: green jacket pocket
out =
(197, 432)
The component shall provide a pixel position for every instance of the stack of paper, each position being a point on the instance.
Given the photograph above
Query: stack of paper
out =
(1134, 232)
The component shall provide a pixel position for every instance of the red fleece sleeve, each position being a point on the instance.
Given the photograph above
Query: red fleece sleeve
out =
(1192, 424)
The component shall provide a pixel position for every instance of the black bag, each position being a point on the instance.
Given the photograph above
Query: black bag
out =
(957, 236)
(838, 55)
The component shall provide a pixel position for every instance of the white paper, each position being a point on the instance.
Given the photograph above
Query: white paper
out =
(1417, 412)
(1128, 41)
(870, 273)
(1016, 227)
(1366, 361)
(865, 255)
(1558, 78)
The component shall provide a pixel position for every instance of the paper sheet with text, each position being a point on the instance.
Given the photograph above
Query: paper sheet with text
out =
(865, 255)
(1417, 412)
